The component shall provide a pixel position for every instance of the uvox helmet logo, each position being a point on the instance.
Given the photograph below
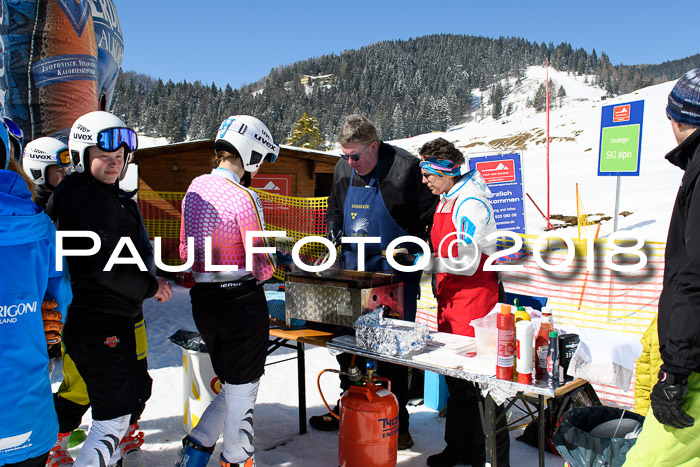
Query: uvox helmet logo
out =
(41, 157)
(82, 137)
(264, 141)
(112, 342)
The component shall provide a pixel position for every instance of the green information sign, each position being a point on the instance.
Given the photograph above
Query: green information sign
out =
(619, 149)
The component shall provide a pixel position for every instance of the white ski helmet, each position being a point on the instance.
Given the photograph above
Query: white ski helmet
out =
(250, 138)
(104, 130)
(40, 154)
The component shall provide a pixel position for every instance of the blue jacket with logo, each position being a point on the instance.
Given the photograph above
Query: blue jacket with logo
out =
(28, 424)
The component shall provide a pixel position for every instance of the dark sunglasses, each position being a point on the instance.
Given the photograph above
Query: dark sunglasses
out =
(112, 138)
(355, 157)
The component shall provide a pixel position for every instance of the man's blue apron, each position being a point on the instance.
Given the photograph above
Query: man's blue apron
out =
(366, 215)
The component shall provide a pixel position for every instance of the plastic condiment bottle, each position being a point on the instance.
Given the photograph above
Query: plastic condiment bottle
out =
(542, 344)
(520, 312)
(506, 343)
(553, 360)
(523, 346)
(520, 315)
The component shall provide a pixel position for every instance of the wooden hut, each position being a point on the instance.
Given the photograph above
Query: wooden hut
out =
(298, 172)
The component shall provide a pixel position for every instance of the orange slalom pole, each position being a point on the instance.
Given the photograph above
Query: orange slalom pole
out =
(585, 278)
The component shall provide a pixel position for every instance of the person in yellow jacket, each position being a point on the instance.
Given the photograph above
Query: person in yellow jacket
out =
(648, 365)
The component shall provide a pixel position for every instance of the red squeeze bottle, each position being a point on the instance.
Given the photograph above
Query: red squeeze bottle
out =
(505, 358)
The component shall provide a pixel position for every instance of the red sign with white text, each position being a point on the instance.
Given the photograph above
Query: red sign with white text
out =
(277, 184)
(497, 171)
(621, 113)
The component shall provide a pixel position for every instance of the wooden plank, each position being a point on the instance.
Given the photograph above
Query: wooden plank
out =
(306, 335)
(568, 387)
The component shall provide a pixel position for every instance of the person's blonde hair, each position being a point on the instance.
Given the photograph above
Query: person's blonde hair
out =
(225, 154)
(357, 129)
(14, 166)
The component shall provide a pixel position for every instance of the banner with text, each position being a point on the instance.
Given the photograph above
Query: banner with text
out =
(620, 139)
(504, 176)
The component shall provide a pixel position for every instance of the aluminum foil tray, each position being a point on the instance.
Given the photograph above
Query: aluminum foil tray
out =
(391, 337)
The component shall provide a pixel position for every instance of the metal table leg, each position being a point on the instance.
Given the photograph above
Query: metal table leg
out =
(488, 421)
(540, 429)
(301, 382)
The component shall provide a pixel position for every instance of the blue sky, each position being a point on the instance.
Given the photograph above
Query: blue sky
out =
(236, 42)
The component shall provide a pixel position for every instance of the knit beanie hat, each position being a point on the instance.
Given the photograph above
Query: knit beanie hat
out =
(684, 100)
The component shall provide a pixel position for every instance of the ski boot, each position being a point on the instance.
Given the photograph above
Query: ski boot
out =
(193, 454)
(58, 455)
(249, 462)
(130, 447)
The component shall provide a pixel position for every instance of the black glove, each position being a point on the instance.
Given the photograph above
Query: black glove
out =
(667, 401)
(335, 233)
(405, 259)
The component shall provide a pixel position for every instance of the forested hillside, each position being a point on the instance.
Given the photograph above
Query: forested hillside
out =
(406, 87)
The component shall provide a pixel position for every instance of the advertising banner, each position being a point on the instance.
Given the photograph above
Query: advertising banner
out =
(504, 176)
(620, 139)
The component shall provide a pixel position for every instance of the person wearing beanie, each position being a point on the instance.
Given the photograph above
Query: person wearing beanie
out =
(670, 436)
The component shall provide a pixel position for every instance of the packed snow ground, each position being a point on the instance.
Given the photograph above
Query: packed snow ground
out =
(277, 439)
(575, 132)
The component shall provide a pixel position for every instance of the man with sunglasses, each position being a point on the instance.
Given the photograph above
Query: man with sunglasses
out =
(99, 332)
(377, 192)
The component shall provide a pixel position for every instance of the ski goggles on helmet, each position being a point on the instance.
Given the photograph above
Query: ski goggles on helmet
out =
(440, 167)
(4, 148)
(112, 139)
(16, 136)
(63, 158)
(256, 157)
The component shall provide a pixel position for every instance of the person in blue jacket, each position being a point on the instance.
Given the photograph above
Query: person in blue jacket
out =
(28, 424)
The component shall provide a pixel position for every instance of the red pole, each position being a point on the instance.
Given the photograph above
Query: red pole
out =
(547, 77)
(538, 208)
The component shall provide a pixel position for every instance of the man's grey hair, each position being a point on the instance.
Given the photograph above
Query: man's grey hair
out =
(357, 129)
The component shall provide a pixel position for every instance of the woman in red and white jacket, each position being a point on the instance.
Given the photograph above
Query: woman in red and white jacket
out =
(462, 223)
(228, 304)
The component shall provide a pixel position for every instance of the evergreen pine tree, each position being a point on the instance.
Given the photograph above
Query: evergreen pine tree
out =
(539, 102)
(497, 101)
(561, 95)
(306, 134)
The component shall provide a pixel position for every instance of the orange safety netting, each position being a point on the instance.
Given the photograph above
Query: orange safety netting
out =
(298, 217)
(601, 299)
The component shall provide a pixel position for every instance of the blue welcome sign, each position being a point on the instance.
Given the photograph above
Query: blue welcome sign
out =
(504, 176)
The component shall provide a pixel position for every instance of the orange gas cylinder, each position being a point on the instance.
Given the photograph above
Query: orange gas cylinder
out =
(369, 427)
